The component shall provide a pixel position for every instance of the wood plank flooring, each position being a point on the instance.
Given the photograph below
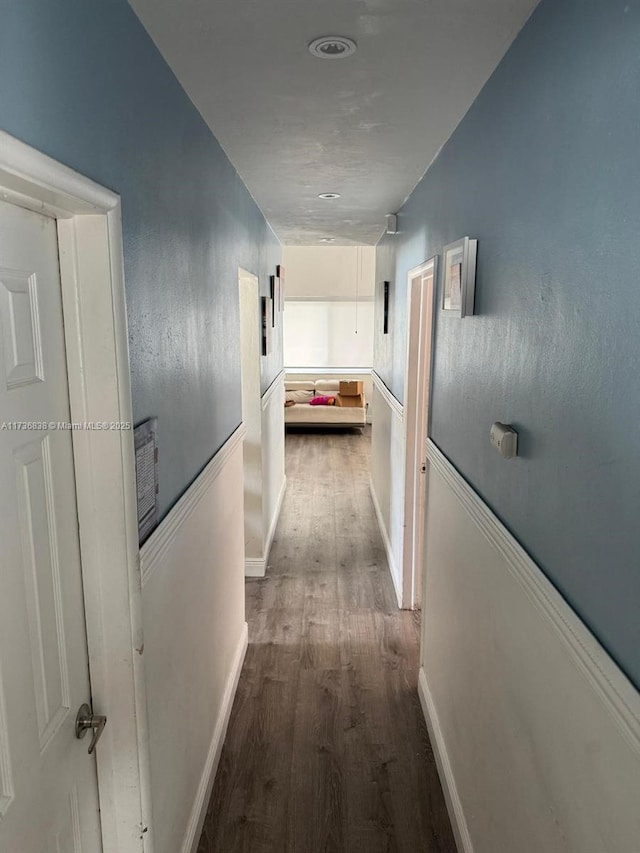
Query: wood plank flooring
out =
(327, 750)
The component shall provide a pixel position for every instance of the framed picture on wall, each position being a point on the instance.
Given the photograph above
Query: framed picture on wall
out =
(459, 277)
(385, 307)
(273, 289)
(146, 452)
(266, 315)
(280, 276)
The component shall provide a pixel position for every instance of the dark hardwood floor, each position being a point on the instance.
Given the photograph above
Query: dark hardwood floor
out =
(327, 750)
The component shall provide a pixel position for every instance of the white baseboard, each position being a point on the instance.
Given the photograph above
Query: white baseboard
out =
(452, 799)
(393, 569)
(274, 520)
(199, 811)
(256, 567)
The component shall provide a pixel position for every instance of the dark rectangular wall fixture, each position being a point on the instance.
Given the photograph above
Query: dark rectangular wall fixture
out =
(272, 291)
(266, 313)
(385, 322)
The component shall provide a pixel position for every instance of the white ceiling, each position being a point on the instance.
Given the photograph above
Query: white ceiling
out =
(367, 126)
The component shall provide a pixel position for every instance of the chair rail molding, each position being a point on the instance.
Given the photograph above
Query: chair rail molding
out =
(154, 549)
(275, 386)
(388, 397)
(614, 688)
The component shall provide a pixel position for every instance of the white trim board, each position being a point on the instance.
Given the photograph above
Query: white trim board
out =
(354, 298)
(449, 789)
(536, 729)
(199, 812)
(330, 371)
(256, 567)
(393, 568)
(154, 549)
(276, 385)
(421, 291)
(91, 266)
(31, 179)
(390, 400)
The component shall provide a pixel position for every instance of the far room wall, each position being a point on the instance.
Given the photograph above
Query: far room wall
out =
(328, 322)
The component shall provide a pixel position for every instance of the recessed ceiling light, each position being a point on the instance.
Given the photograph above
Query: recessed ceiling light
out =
(326, 239)
(329, 195)
(332, 47)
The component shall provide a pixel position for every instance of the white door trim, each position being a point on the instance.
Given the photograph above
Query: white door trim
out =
(91, 267)
(420, 315)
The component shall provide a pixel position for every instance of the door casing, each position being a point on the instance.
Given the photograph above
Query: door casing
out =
(93, 300)
(421, 287)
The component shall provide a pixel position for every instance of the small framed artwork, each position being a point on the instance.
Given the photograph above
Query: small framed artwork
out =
(280, 275)
(266, 315)
(273, 290)
(385, 307)
(459, 282)
(146, 452)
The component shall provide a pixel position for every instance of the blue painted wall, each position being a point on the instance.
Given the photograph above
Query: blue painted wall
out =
(545, 171)
(82, 81)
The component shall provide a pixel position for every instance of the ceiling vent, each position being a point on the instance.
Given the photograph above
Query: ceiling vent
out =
(332, 47)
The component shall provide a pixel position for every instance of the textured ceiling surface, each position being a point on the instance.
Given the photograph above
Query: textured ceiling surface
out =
(366, 127)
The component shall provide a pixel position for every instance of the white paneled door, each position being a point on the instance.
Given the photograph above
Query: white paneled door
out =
(48, 786)
(420, 292)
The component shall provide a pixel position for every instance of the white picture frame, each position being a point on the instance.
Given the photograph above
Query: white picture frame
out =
(459, 277)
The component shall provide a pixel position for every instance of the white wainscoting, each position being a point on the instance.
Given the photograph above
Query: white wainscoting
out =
(273, 478)
(195, 639)
(387, 475)
(536, 730)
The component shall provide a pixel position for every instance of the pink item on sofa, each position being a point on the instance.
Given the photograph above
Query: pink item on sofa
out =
(322, 401)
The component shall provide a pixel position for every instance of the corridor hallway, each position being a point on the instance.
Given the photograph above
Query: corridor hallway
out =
(327, 750)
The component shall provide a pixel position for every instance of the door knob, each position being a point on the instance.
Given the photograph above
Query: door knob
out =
(85, 721)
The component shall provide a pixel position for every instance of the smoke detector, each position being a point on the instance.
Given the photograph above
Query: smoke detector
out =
(329, 195)
(332, 47)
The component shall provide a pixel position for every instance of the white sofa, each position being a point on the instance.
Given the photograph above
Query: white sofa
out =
(303, 414)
